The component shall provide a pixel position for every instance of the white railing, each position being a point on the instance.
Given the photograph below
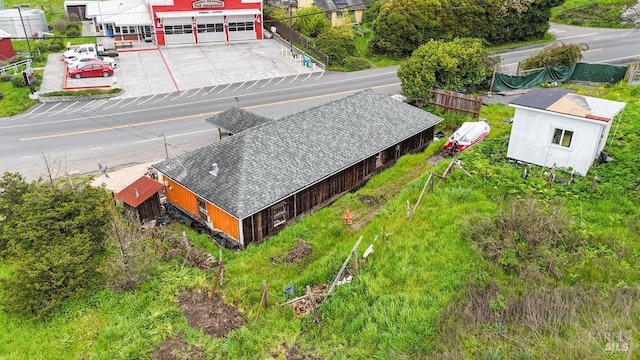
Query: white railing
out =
(26, 63)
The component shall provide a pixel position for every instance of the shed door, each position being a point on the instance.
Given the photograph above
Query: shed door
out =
(241, 27)
(210, 29)
(178, 31)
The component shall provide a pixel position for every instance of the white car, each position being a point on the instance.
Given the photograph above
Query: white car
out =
(74, 63)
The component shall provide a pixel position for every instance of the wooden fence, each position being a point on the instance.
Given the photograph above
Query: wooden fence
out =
(449, 100)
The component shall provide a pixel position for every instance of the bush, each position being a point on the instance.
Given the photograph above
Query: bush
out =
(18, 81)
(60, 25)
(74, 25)
(73, 32)
(6, 78)
(337, 43)
(41, 47)
(353, 63)
(56, 45)
(554, 55)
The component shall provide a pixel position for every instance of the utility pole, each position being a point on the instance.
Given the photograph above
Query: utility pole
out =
(290, 28)
(24, 29)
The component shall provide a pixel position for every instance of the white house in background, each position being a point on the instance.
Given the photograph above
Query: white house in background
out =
(554, 126)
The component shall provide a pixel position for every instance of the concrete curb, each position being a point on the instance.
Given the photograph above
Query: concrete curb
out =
(48, 99)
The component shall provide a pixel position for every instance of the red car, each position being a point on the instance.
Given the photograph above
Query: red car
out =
(91, 69)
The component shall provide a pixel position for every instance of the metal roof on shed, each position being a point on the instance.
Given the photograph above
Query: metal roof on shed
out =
(121, 13)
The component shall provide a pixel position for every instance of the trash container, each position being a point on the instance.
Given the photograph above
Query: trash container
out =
(307, 61)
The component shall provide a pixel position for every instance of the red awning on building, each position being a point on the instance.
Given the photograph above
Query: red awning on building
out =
(138, 192)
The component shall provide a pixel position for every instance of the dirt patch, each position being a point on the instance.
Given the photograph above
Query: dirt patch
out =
(435, 159)
(369, 200)
(293, 353)
(301, 250)
(212, 315)
(174, 349)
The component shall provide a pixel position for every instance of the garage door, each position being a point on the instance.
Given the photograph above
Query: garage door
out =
(178, 31)
(210, 29)
(241, 27)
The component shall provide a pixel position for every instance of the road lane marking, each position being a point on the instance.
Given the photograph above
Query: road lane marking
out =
(225, 88)
(294, 79)
(116, 103)
(322, 73)
(46, 111)
(267, 83)
(159, 140)
(284, 77)
(195, 93)
(37, 107)
(87, 104)
(166, 96)
(179, 96)
(207, 93)
(577, 36)
(58, 112)
(307, 78)
(620, 58)
(239, 86)
(95, 148)
(130, 102)
(254, 84)
(186, 117)
(147, 99)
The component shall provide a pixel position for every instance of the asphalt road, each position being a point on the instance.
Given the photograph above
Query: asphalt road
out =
(73, 137)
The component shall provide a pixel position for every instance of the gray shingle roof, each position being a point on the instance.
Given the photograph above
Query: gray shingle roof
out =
(330, 5)
(236, 120)
(266, 163)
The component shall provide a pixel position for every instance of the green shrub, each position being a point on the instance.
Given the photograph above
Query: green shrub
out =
(17, 80)
(6, 78)
(74, 25)
(554, 55)
(41, 46)
(56, 46)
(60, 25)
(337, 43)
(73, 32)
(353, 63)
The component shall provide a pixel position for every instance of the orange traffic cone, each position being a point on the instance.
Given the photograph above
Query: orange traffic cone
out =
(347, 217)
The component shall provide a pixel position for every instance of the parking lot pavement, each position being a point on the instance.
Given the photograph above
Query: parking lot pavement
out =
(148, 71)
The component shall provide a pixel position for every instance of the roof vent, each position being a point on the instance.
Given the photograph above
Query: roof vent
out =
(137, 193)
(214, 169)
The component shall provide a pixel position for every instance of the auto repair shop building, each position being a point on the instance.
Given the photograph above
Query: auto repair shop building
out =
(206, 21)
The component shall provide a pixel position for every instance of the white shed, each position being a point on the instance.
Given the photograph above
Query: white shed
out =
(554, 126)
(34, 21)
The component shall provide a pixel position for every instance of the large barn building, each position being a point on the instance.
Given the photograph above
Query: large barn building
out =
(251, 185)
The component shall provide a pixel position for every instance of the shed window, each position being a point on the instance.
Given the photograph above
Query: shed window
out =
(279, 214)
(202, 209)
(562, 137)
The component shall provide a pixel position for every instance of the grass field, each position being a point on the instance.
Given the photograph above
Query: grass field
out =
(599, 13)
(411, 299)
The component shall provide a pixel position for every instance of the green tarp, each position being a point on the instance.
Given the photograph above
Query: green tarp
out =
(578, 72)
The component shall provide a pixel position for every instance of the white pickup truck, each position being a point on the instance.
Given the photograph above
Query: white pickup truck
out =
(87, 49)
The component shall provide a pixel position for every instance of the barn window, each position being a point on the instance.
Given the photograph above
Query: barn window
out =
(279, 214)
(202, 209)
(562, 137)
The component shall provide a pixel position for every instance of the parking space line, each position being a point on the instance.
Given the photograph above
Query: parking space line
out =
(56, 113)
(195, 93)
(147, 99)
(215, 87)
(26, 157)
(166, 96)
(254, 84)
(115, 104)
(46, 111)
(131, 102)
(95, 148)
(270, 80)
(87, 104)
(241, 85)
(224, 88)
(322, 73)
(99, 104)
(29, 113)
(179, 96)
(307, 78)
(281, 80)
(294, 79)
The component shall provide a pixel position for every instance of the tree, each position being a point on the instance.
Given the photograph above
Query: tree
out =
(454, 65)
(54, 243)
(555, 55)
(631, 15)
(402, 26)
(13, 187)
(130, 255)
(337, 43)
(311, 21)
